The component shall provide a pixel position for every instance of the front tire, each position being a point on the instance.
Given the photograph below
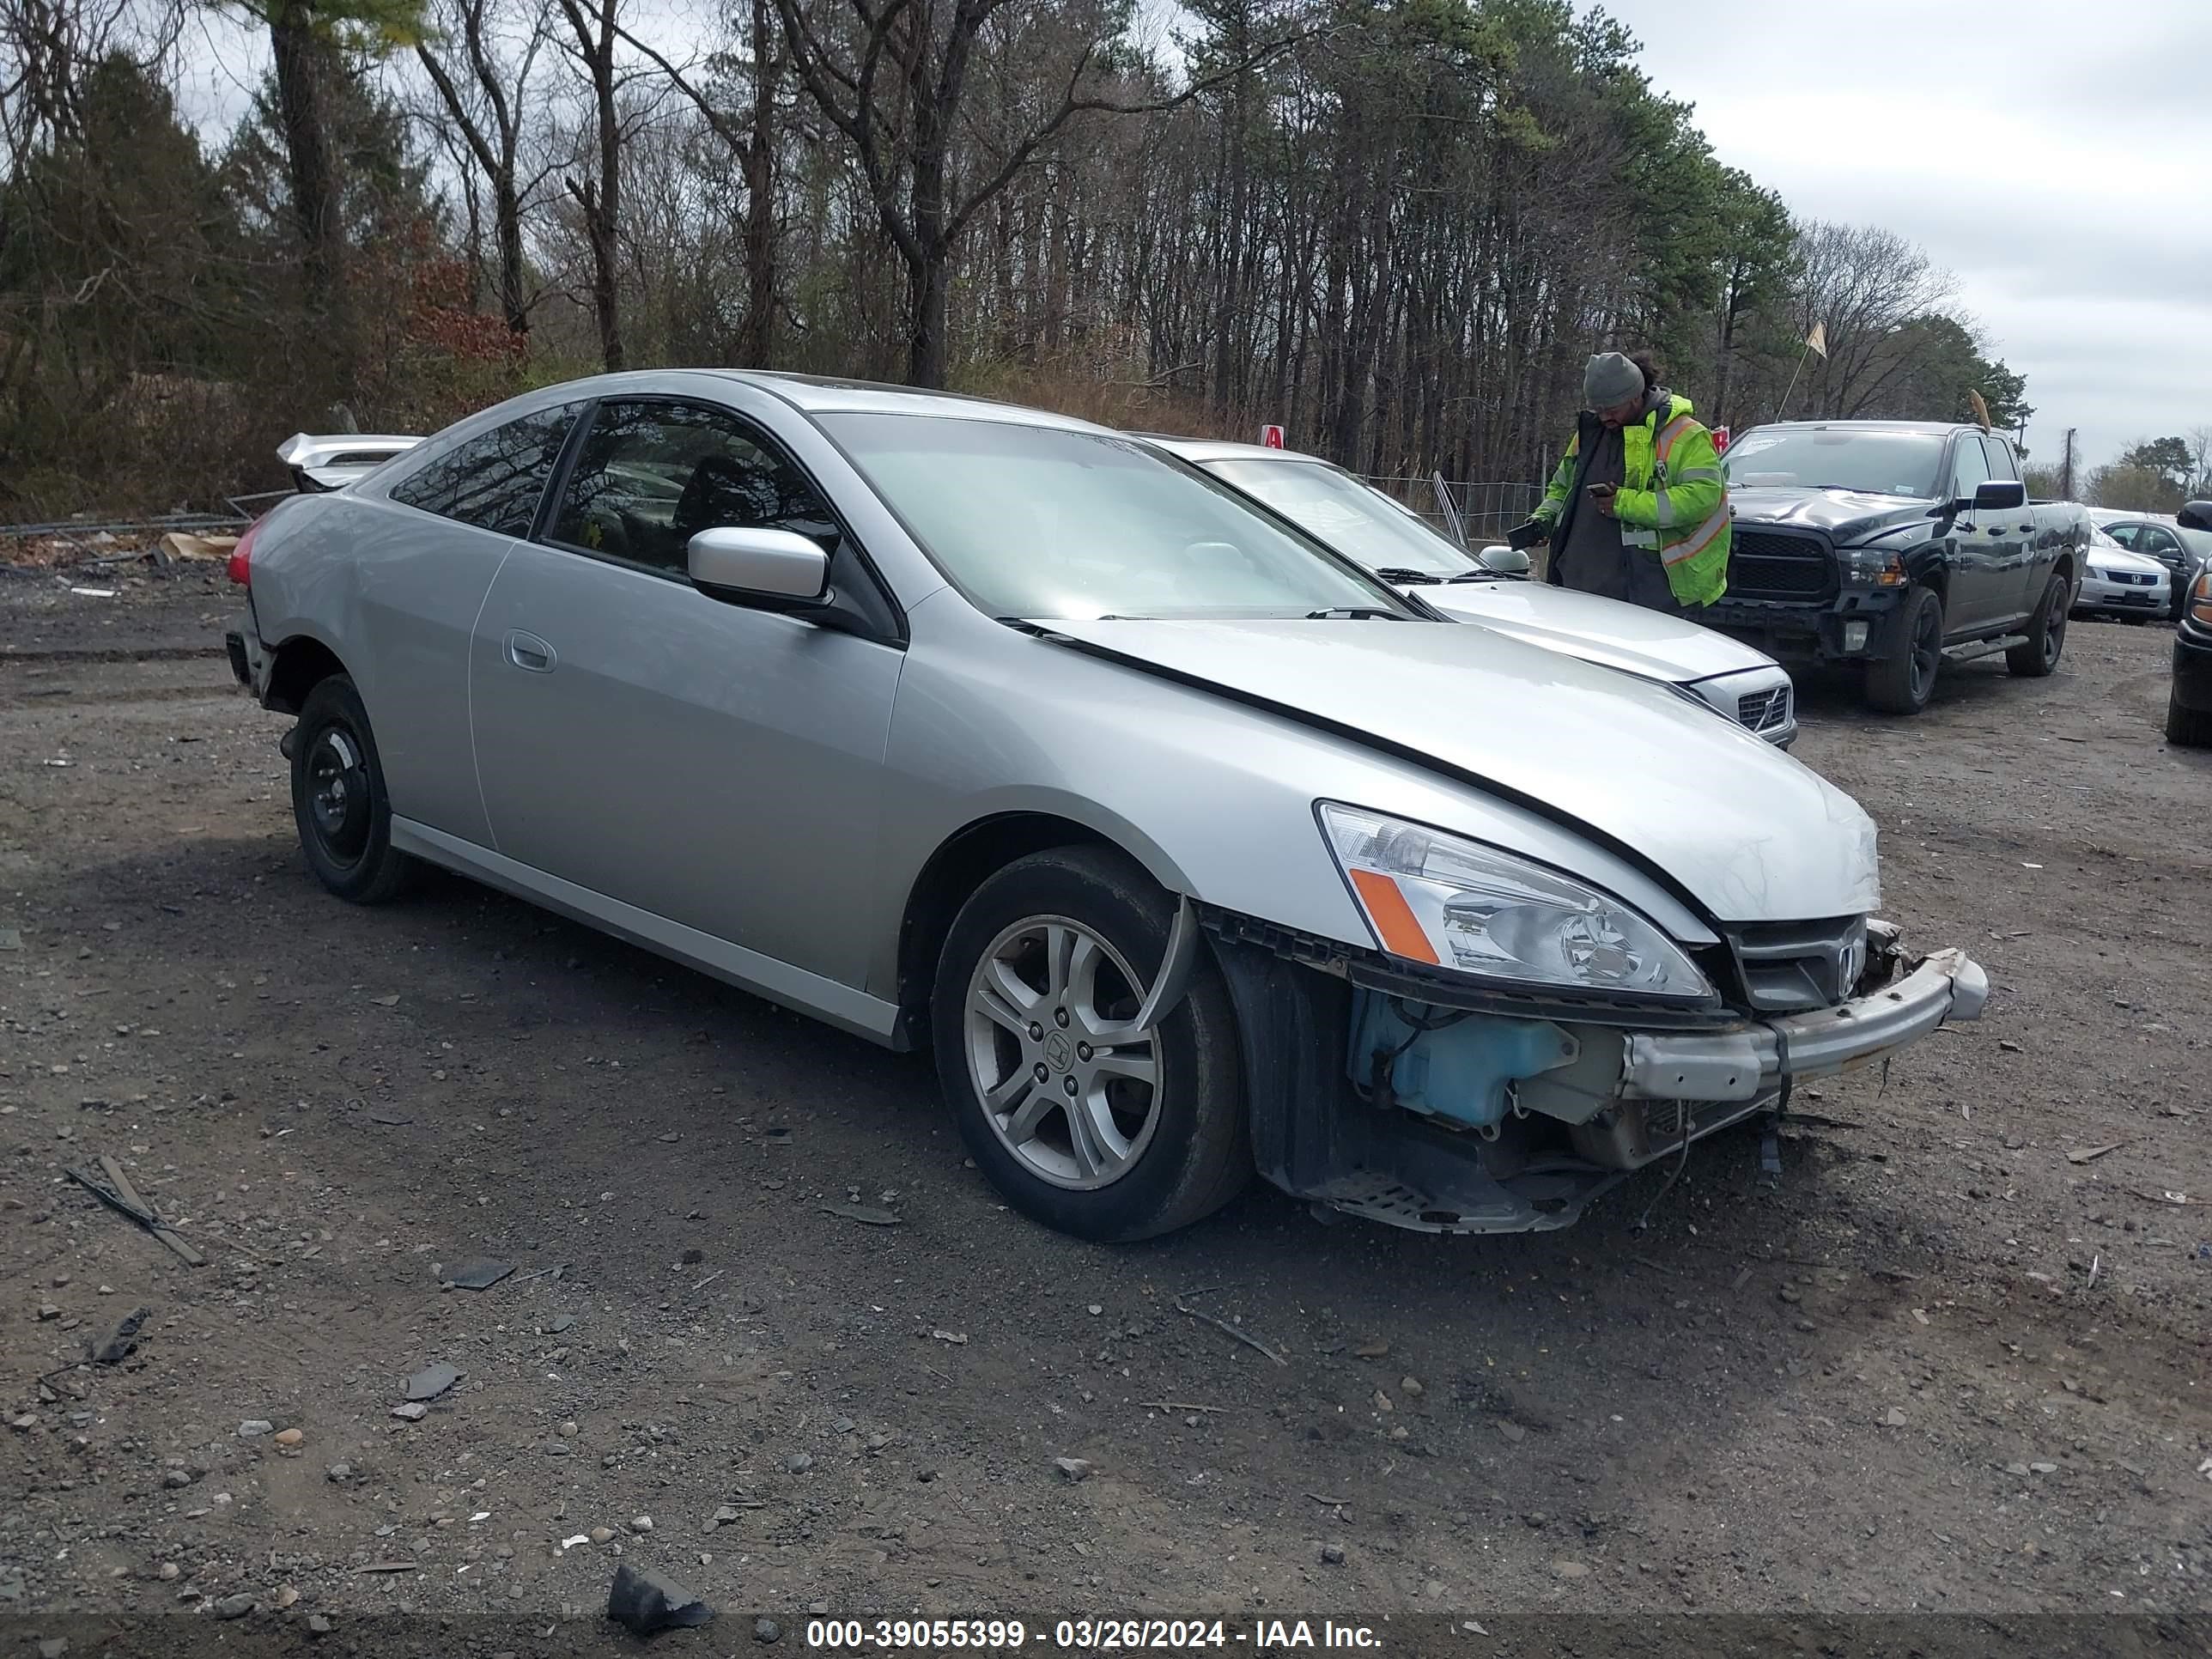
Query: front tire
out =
(2187, 728)
(2046, 635)
(338, 800)
(1901, 685)
(1087, 1125)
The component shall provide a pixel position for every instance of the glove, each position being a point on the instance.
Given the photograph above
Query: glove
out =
(1527, 534)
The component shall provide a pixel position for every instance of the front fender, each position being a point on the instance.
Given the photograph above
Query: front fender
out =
(1213, 797)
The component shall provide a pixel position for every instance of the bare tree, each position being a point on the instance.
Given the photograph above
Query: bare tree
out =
(753, 141)
(303, 37)
(896, 88)
(2199, 438)
(487, 111)
(592, 24)
(1862, 284)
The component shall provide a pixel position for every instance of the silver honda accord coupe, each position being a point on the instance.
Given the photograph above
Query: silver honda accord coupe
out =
(1187, 846)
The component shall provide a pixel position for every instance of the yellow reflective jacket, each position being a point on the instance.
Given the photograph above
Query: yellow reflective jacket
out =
(1673, 498)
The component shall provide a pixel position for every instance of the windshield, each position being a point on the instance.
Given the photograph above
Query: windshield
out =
(1823, 458)
(1346, 513)
(1043, 523)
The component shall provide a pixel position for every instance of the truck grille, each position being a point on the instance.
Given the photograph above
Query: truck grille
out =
(1767, 564)
(1762, 711)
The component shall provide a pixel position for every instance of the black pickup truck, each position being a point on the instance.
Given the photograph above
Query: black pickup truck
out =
(1898, 546)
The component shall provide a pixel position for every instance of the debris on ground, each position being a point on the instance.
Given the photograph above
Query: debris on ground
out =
(644, 1602)
(432, 1381)
(120, 1341)
(413, 1412)
(480, 1274)
(182, 545)
(1075, 1468)
(2091, 1154)
(117, 1194)
(867, 1214)
(1229, 1329)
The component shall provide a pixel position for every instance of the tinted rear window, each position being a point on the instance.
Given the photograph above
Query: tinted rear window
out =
(495, 479)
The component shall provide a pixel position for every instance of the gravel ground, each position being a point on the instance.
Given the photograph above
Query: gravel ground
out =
(1956, 1365)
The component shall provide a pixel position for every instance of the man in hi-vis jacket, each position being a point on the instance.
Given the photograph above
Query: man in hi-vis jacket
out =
(1638, 509)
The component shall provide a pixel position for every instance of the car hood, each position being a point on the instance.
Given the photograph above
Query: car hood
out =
(1620, 636)
(2118, 558)
(1751, 834)
(1846, 517)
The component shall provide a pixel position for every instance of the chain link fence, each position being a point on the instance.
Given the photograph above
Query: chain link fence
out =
(1477, 513)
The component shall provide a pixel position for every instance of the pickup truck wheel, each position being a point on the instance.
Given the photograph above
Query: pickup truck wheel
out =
(1086, 1123)
(2187, 728)
(2046, 635)
(339, 802)
(1903, 683)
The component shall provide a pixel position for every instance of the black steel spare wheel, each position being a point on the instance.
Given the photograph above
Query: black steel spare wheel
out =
(338, 800)
(337, 785)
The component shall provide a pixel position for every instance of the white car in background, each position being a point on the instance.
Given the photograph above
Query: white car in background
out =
(2117, 583)
(1744, 683)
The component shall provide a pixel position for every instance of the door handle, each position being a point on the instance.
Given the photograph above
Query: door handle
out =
(527, 651)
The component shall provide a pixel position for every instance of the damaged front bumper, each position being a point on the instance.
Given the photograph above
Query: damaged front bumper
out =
(1494, 1123)
(1752, 1062)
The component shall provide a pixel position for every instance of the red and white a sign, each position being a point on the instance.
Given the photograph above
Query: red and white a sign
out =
(1720, 440)
(1272, 436)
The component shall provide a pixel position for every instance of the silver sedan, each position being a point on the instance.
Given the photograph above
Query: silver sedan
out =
(1185, 844)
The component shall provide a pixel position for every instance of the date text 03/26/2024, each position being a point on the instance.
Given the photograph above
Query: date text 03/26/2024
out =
(1084, 1635)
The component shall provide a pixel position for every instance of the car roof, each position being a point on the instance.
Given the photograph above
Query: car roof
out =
(1222, 449)
(823, 394)
(810, 394)
(1929, 428)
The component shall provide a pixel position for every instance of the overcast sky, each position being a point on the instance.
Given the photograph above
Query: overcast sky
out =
(2051, 155)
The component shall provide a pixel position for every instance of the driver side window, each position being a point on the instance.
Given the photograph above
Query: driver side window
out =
(1970, 467)
(650, 476)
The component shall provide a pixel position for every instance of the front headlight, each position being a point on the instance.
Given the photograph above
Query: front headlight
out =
(1451, 902)
(2200, 598)
(1877, 567)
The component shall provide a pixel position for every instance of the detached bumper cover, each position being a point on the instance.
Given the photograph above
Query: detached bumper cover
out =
(249, 661)
(1751, 1063)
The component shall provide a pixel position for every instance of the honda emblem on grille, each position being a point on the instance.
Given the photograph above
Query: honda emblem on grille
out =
(1853, 964)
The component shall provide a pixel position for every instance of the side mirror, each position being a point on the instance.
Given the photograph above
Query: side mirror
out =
(1997, 495)
(1502, 561)
(744, 566)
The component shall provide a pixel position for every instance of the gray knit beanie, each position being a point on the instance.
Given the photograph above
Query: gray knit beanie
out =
(1610, 379)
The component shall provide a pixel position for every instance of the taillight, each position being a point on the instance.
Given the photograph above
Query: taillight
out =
(241, 568)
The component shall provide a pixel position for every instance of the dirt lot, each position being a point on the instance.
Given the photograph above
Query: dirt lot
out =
(1954, 1366)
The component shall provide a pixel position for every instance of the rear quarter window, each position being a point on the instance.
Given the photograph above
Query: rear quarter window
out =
(494, 480)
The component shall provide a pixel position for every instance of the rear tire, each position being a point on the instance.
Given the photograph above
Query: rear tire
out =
(2046, 635)
(2187, 728)
(1901, 685)
(338, 801)
(1135, 1136)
